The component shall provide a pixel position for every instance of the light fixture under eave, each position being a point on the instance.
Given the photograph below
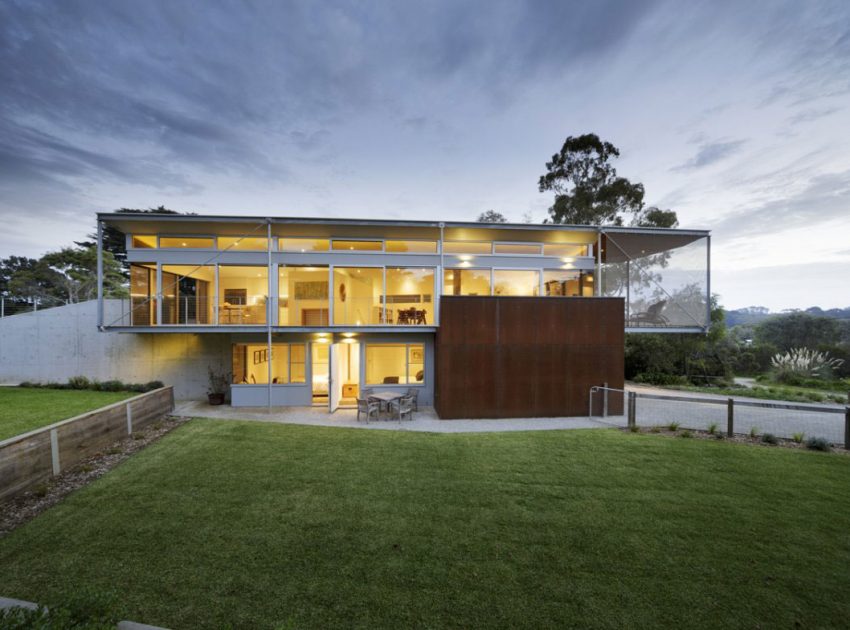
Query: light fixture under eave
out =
(465, 257)
(349, 341)
(323, 340)
(568, 259)
(348, 334)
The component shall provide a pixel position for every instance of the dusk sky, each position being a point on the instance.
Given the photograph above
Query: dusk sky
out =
(733, 114)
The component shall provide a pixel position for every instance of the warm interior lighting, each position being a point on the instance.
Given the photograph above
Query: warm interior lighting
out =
(348, 334)
(349, 341)
(568, 259)
(465, 257)
(183, 244)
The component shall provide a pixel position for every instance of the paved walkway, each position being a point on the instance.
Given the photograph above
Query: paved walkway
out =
(424, 420)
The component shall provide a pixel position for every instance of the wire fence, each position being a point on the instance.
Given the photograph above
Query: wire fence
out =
(729, 416)
(10, 306)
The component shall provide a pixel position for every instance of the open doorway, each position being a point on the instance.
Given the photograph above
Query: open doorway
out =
(345, 375)
(320, 353)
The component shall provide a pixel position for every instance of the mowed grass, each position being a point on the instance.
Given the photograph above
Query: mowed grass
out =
(23, 409)
(254, 525)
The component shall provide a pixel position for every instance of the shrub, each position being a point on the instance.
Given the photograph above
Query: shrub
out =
(754, 432)
(655, 429)
(41, 490)
(79, 382)
(712, 428)
(674, 426)
(112, 386)
(686, 434)
(28, 384)
(818, 444)
(798, 437)
(719, 436)
(798, 364)
(769, 438)
(152, 385)
(634, 429)
(138, 435)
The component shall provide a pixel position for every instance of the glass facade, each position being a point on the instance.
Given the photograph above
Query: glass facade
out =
(395, 364)
(304, 245)
(243, 243)
(142, 294)
(466, 282)
(413, 247)
(409, 296)
(186, 242)
(567, 283)
(303, 296)
(358, 246)
(516, 282)
(242, 292)
(188, 294)
(358, 296)
(252, 364)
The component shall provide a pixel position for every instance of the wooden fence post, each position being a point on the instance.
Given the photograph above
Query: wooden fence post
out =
(730, 418)
(847, 428)
(632, 421)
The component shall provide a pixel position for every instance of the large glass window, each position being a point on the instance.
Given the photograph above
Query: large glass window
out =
(410, 295)
(251, 363)
(467, 247)
(516, 282)
(142, 294)
(186, 242)
(513, 249)
(304, 244)
(242, 292)
(358, 246)
(564, 250)
(567, 283)
(243, 243)
(466, 282)
(418, 247)
(187, 294)
(304, 296)
(144, 242)
(358, 295)
(395, 364)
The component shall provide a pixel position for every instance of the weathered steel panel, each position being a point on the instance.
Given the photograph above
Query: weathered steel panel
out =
(508, 357)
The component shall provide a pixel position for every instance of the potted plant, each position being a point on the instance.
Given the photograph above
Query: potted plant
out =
(219, 382)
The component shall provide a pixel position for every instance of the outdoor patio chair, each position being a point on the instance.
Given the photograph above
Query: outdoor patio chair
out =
(413, 394)
(651, 315)
(402, 407)
(367, 407)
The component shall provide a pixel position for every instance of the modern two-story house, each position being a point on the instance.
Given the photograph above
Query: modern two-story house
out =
(484, 319)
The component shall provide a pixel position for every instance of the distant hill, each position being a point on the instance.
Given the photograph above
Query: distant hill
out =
(754, 314)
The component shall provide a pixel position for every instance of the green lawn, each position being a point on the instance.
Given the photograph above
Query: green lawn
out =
(255, 525)
(23, 409)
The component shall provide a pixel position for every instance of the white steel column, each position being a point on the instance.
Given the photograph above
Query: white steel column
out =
(269, 305)
(707, 282)
(100, 275)
(597, 289)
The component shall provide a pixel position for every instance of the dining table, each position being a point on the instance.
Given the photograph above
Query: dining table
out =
(386, 397)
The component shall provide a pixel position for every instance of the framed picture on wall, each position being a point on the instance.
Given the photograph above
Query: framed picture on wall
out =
(416, 355)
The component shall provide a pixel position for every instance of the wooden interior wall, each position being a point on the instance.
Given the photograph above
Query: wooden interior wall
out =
(509, 357)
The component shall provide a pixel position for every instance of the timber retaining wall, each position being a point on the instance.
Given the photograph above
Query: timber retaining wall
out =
(29, 459)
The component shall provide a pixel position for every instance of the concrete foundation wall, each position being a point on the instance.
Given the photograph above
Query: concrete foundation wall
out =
(58, 343)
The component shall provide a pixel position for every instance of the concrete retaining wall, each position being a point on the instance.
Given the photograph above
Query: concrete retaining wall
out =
(58, 343)
(32, 458)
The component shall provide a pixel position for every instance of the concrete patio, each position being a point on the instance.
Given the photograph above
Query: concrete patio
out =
(424, 420)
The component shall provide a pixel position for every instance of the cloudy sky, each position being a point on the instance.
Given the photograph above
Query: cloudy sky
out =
(734, 114)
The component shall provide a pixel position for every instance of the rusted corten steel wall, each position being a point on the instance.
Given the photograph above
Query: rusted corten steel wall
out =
(514, 357)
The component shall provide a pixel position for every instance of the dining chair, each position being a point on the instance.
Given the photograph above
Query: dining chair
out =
(413, 393)
(367, 407)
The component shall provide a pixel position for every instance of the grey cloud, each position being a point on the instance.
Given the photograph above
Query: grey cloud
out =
(711, 153)
(825, 199)
(811, 114)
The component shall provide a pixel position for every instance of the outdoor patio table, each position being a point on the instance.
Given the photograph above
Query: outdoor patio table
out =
(386, 397)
